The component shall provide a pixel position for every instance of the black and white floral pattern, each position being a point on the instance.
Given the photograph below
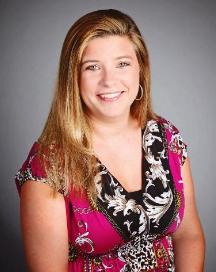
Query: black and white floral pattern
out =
(151, 209)
(141, 218)
(145, 213)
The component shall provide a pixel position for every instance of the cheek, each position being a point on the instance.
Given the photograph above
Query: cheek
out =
(83, 87)
(132, 78)
(132, 74)
(87, 81)
(136, 74)
(87, 88)
(82, 81)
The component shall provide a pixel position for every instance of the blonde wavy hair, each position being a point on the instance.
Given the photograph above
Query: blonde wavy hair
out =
(66, 140)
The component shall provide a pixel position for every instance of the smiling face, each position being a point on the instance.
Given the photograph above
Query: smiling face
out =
(109, 79)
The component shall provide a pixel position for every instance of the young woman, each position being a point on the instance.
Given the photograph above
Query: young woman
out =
(113, 188)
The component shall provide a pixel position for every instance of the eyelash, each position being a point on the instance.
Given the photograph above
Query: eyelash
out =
(125, 64)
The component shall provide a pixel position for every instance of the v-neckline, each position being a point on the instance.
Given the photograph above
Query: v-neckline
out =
(142, 167)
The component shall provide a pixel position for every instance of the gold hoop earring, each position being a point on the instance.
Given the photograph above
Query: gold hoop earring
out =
(141, 93)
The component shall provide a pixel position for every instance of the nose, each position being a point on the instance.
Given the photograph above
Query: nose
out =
(108, 77)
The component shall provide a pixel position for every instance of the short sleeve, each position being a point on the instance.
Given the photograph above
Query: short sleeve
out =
(32, 169)
(176, 143)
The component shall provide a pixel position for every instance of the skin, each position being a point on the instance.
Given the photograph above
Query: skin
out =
(105, 71)
(189, 243)
(44, 228)
(43, 219)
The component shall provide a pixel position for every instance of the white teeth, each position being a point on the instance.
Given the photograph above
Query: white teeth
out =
(111, 95)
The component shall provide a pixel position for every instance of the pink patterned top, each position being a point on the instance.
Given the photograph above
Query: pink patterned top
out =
(126, 231)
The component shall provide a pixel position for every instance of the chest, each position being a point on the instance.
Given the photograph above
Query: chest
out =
(123, 160)
(148, 213)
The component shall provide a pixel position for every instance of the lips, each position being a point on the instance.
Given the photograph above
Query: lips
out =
(109, 96)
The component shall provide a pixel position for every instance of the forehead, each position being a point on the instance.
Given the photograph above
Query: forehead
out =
(108, 46)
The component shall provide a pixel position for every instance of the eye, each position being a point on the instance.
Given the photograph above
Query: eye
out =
(123, 64)
(92, 67)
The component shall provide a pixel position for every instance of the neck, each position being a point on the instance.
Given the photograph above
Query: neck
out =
(114, 129)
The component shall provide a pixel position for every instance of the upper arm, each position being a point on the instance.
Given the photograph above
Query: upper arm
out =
(44, 228)
(190, 225)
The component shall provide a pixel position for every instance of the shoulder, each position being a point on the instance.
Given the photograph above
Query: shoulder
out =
(35, 168)
(168, 125)
(32, 166)
(175, 140)
(153, 125)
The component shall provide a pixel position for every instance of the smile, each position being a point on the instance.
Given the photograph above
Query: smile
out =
(109, 96)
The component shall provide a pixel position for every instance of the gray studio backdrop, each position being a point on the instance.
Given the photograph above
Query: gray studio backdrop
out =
(181, 39)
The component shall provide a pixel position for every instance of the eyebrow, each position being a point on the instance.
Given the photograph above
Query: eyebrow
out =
(121, 57)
